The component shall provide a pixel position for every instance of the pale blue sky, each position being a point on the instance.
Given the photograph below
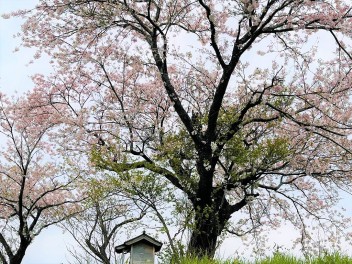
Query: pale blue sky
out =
(14, 68)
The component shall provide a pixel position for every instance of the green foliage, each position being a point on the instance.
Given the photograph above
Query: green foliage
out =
(253, 147)
(277, 258)
(331, 259)
(175, 145)
(261, 154)
(204, 260)
(172, 255)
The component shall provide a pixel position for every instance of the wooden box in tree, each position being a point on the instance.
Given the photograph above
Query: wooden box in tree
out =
(142, 249)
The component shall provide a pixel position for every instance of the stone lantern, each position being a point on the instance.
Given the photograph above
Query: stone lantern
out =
(141, 248)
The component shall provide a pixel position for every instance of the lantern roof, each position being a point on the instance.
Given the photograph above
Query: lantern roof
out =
(143, 238)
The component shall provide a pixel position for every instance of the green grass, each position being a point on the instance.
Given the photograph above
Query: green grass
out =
(331, 259)
(334, 258)
(280, 258)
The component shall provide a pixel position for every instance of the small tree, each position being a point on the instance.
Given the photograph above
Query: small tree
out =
(34, 192)
(97, 227)
(179, 89)
(113, 204)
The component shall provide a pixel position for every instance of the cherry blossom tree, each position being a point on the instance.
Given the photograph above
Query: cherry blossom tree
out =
(34, 194)
(235, 103)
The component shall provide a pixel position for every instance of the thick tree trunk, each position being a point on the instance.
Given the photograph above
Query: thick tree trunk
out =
(18, 257)
(209, 222)
(203, 238)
